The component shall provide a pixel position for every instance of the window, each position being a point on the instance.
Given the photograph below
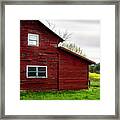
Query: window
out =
(33, 39)
(36, 71)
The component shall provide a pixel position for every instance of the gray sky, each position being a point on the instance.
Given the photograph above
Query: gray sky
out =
(85, 34)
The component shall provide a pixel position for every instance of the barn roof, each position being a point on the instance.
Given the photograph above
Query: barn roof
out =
(75, 54)
(61, 39)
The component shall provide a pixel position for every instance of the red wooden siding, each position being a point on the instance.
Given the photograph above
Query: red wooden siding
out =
(43, 55)
(64, 70)
(73, 72)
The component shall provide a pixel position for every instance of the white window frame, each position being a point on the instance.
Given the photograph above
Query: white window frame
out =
(36, 72)
(29, 34)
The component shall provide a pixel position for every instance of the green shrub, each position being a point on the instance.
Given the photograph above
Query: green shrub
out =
(94, 76)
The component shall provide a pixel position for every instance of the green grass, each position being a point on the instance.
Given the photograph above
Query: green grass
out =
(93, 93)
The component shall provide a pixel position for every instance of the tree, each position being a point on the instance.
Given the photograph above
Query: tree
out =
(50, 25)
(97, 68)
(73, 47)
(63, 34)
(94, 68)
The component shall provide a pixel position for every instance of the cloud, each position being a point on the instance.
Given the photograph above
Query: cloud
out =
(86, 40)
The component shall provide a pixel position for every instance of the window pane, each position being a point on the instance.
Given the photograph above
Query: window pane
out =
(31, 68)
(31, 74)
(32, 42)
(42, 74)
(41, 68)
(33, 37)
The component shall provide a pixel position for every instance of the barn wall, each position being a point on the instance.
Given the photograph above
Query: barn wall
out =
(44, 55)
(73, 72)
(65, 71)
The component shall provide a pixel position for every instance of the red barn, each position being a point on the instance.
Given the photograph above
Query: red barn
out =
(44, 65)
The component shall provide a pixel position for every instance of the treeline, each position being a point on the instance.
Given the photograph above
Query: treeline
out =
(95, 68)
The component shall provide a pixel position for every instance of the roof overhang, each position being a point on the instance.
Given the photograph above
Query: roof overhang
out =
(61, 39)
(77, 55)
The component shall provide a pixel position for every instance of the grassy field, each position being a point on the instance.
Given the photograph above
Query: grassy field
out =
(93, 93)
